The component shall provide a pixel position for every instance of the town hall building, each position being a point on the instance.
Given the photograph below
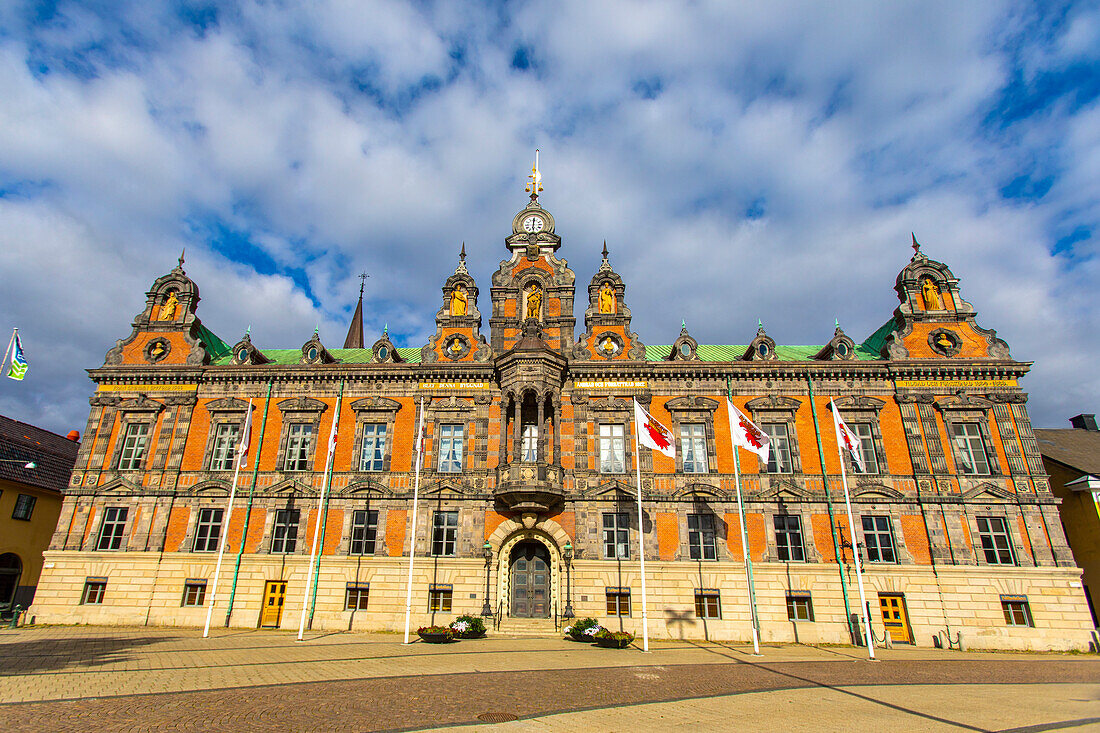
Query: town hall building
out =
(527, 493)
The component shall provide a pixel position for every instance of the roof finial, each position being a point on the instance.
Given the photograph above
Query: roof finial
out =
(683, 325)
(759, 323)
(386, 330)
(605, 249)
(362, 282)
(916, 244)
(248, 331)
(182, 253)
(535, 186)
(836, 322)
(462, 253)
(315, 330)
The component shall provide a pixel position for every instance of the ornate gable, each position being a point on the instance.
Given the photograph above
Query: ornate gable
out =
(607, 320)
(458, 321)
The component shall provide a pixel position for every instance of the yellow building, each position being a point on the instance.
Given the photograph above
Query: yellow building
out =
(1072, 458)
(34, 469)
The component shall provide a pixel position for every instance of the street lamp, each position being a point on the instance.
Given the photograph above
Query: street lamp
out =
(30, 464)
(568, 557)
(487, 552)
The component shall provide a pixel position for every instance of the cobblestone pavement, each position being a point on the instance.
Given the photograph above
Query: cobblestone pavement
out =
(108, 679)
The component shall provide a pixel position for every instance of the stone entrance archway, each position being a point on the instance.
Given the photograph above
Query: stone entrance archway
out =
(504, 540)
(529, 570)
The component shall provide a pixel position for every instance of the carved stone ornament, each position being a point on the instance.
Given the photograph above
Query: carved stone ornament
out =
(609, 344)
(376, 404)
(227, 404)
(302, 404)
(157, 349)
(141, 403)
(945, 341)
(456, 347)
(694, 403)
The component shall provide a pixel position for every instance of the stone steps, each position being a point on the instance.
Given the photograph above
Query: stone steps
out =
(527, 627)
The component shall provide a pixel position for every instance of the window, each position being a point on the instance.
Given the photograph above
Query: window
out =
(298, 442)
(194, 593)
(618, 601)
(970, 455)
(779, 457)
(284, 537)
(133, 446)
(866, 447)
(439, 598)
(1017, 611)
(450, 448)
(364, 531)
(993, 533)
(372, 453)
(356, 598)
(616, 538)
(444, 531)
(707, 605)
(612, 449)
(208, 530)
(701, 537)
(24, 506)
(94, 588)
(110, 532)
(693, 443)
(800, 607)
(788, 538)
(878, 537)
(225, 445)
(530, 443)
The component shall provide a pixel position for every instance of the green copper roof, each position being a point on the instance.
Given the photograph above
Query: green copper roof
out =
(217, 348)
(346, 356)
(874, 343)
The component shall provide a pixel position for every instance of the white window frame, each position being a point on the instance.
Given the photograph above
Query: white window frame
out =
(451, 447)
(693, 443)
(372, 455)
(612, 441)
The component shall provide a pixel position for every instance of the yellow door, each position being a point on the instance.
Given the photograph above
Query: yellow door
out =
(274, 595)
(894, 617)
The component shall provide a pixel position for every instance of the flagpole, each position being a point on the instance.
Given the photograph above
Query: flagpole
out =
(248, 509)
(325, 500)
(744, 537)
(318, 542)
(8, 350)
(641, 533)
(416, 500)
(228, 513)
(856, 554)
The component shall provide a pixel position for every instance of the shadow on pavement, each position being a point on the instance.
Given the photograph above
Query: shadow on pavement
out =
(45, 655)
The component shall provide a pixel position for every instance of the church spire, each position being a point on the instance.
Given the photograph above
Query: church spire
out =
(354, 339)
(535, 186)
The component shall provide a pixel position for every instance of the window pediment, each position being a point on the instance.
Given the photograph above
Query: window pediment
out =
(376, 404)
(774, 403)
(608, 404)
(141, 403)
(227, 404)
(693, 403)
(302, 404)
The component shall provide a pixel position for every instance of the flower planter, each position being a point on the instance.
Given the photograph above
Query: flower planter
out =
(580, 637)
(435, 634)
(615, 642)
(471, 635)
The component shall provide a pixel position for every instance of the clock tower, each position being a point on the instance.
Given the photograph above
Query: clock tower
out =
(533, 285)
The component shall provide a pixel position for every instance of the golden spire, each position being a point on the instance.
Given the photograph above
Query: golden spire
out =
(535, 186)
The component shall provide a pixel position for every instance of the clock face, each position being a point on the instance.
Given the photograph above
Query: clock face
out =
(533, 224)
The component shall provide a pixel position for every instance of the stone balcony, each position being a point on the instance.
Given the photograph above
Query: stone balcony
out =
(530, 486)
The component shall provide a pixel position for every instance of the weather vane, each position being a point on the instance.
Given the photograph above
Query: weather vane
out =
(362, 282)
(535, 186)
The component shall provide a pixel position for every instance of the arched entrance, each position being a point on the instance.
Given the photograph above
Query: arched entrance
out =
(10, 570)
(529, 580)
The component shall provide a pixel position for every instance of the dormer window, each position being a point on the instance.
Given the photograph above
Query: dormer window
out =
(762, 350)
(312, 353)
(685, 349)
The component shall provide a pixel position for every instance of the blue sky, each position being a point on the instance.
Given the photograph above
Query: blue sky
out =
(743, 161)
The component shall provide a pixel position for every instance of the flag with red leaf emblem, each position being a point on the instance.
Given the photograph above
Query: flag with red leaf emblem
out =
(651, 433)
(745, 433)
(847, 440)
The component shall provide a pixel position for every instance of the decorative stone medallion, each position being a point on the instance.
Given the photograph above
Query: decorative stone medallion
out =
(157, 349)
(944, 341)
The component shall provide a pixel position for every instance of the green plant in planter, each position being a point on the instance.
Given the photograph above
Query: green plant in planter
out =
(435, 634)
(614, 639)
(583, 629)
(468, 627)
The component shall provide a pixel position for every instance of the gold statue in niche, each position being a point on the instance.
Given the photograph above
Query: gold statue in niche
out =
(607, 299)
(458, 301)
(945, 342)
(931, 295)
(534, 303)
(168, 310)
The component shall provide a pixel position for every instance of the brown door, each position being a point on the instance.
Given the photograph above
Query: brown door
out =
(530, 580)
(895, 618)
(274, 596)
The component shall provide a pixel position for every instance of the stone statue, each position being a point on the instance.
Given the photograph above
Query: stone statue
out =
(607, 299)
(945, 342)
(168, 310)
(931, 295)
(534, 303)
(458, 301)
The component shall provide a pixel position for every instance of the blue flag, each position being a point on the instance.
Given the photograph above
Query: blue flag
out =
(18, 361)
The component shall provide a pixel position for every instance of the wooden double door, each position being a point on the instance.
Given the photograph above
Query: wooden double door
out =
(529, 574)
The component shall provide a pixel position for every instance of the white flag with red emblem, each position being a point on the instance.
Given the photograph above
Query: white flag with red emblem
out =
(745, 433)
(651, 433)
(845, 438)
(246, 438)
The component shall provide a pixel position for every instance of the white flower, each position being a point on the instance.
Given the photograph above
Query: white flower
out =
(592, 631)
(460, 626)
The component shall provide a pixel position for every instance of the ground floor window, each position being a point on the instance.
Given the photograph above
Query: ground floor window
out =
(194, 593)
(439, 598)
(800, 607)
(618, 601)
(1017, 611)
(706, 604)
(94, 588)
(356, 599)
